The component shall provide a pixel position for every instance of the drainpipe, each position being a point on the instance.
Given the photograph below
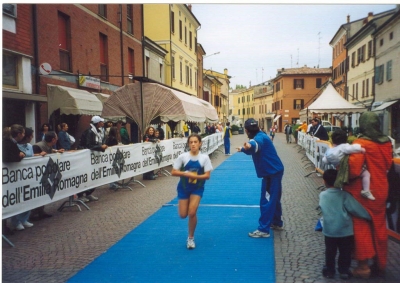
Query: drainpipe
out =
(143, 72)
(122, 46)
(36, 48)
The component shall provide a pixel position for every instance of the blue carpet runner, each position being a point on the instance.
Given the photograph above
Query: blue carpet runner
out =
(155, 251)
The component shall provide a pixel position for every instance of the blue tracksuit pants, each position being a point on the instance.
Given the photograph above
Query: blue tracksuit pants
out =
(270, 202)
(227, 145)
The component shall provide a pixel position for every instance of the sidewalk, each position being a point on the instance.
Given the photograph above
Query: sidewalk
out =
(55, 249)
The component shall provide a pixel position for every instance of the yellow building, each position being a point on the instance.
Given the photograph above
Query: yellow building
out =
(243, 105)
(220, 97)
(174, 28)
(263, 100)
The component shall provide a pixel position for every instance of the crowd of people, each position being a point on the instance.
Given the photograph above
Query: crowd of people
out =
(353, 203)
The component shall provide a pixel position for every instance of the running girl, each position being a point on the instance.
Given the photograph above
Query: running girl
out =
(194, 169)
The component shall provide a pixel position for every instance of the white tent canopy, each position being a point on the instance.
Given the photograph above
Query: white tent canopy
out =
(331, 102)
(158, 101)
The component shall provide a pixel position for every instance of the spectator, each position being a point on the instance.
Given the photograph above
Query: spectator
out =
(63, 137)
(43, 130)
(20, 221)
(124, 133)
(303, 127)
(341, 148)
(149, 137)
(186, 129)
(11, 153)
(93, 139)
(318, 130)
(288, 133)
(219, 127)
(336, 205)
(46, 145)
(227, 134)
(196, 129)
(272, 131)
(370, 238)
(270, 168)
(161, 131)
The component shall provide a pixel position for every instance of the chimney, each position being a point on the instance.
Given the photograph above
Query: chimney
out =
(348, 18)
(190, 7)
(225, 71)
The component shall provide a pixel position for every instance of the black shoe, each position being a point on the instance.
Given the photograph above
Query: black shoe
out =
(327, 273)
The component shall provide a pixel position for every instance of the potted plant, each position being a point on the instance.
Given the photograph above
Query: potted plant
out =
(235, 130)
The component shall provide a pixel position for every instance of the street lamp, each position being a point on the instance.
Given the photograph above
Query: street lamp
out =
(211, 54)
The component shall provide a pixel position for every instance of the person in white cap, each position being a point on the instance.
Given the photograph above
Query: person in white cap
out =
(93, 139)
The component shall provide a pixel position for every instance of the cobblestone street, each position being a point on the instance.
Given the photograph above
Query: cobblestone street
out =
(58, 247)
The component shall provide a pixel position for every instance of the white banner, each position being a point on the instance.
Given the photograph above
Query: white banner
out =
(37, 181)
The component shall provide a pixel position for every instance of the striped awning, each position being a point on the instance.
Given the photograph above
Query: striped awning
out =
(158, 101)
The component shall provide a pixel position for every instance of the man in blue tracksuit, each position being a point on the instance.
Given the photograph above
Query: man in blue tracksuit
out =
(270, 168)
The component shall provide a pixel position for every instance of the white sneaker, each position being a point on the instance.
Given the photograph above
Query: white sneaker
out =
(19, 227)
(190, 243)
(258, 234)
(92, 198)
(27, 224)
(368, 195)
(83, 199)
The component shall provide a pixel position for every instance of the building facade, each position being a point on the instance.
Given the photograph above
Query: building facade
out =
(174, 28)
(293, 89)
(361, 73)
(21, 98)
(387, 75)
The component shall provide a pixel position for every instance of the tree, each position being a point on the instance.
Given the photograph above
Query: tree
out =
(240, 87)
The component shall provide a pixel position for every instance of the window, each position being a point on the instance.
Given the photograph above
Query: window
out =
(298, 104)
(180, 72)
(363, 89)
(381, 42)
(172, 22)
(278, 86)
(298, 83)
(185, 35)
(238, 99)
(195, 79)
(379, 74)
(353, 59)
(180, 30)
(352, 97)
(63, 42)
(356, 91)
(367, 88)
(370, 50)
(238, 111)
(187, 75)
(129, 18)
(10, 10)
(361, 54)
(103, 10)
(131, 66)
(389, 70)
(103, 57)
(173, 66)
(190, 78)
(391, 35)
(216, 101)
(318, 83)
(10, 63)
(190, 40)
(242, 99)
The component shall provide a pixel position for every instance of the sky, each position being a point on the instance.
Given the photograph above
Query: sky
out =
(254, 40)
